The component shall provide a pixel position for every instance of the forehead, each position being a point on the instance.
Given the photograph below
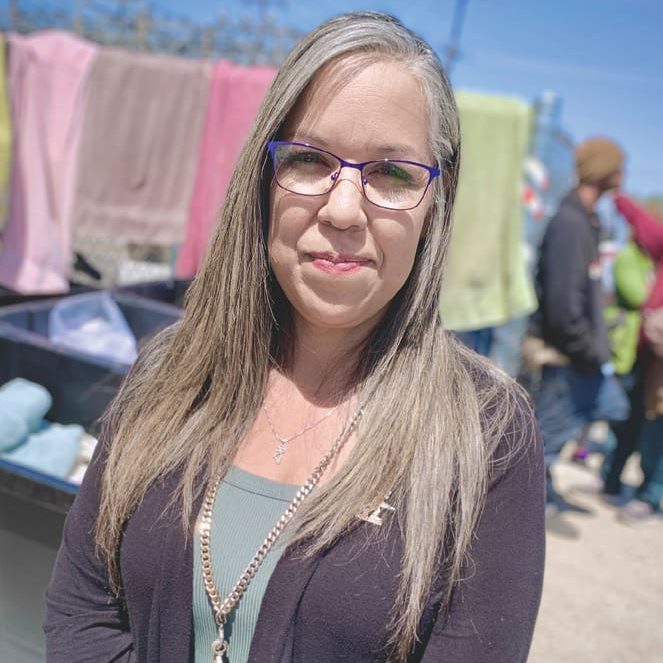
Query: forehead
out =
(364, 108)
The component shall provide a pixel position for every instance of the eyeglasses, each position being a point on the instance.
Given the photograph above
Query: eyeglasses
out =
(310, 171)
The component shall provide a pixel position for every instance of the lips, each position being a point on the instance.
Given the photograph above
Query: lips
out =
(337, 263)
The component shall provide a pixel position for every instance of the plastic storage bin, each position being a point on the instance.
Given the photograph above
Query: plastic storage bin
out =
(32, 504)
(11, 297)
(81, 384)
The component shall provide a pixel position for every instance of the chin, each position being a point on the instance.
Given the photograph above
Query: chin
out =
(340, 316)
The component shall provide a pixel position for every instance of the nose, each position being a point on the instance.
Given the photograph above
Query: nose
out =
(344, 205)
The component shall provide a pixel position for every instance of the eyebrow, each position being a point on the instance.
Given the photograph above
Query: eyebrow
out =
(388, 149)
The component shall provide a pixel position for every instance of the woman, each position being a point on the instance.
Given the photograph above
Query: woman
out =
(311, 354)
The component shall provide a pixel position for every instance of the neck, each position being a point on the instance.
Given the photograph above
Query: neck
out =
(324, 359)
(589, 195)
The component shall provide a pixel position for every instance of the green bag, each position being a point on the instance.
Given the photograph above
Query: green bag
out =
(623, 332)
(633, 272)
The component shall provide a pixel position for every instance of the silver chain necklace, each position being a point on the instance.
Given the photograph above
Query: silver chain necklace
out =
(281, 447)
(222, 609)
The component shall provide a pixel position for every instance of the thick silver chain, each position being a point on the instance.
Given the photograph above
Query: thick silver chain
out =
(222, 609)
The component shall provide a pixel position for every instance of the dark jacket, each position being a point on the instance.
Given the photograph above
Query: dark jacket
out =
(331, 608)
(568, 284)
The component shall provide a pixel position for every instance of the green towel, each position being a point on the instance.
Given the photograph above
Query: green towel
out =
(5, 137)
(486, 280)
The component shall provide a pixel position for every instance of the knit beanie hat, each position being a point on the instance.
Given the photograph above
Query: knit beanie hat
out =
(596, 158)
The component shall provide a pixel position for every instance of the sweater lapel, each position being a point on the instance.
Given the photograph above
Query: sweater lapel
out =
(272, 640)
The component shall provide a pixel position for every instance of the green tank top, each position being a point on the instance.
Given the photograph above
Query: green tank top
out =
(247, 506)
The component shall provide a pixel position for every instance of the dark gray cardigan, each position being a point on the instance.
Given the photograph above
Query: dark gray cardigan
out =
(331, 608)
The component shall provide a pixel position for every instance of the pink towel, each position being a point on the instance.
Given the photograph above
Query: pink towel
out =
(235, 96)
(140, 146)
(47, 75)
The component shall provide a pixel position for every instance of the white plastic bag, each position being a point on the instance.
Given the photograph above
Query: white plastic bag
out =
(92, 323)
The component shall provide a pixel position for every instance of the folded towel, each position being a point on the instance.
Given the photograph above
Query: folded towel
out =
(13, 429)
(23, 405)
(87, 447)
(28, 400)
(78, 473)
(52, 451)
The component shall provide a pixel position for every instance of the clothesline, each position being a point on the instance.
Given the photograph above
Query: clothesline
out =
(114, 143)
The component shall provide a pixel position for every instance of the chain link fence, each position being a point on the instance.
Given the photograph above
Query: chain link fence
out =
(254, 38)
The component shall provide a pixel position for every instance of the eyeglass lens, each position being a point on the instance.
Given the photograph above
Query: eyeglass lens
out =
(309, 171)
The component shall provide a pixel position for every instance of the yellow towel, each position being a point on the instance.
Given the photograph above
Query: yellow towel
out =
(486, 280)
(5, 136)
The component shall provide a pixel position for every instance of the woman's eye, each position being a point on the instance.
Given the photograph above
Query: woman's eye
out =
(394, 171)
(296, 158)
(307, 157)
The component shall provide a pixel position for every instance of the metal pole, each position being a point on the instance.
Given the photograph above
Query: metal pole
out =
(14, 15)
(453, 46)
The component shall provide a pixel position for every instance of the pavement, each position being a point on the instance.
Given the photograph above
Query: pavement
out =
(603, 588)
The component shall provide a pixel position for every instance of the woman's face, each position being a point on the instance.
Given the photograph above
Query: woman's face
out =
(338, 258)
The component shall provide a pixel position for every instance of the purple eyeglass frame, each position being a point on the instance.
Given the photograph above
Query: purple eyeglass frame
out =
(433, 172)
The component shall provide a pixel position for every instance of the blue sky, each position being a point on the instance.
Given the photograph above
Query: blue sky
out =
(603, 57)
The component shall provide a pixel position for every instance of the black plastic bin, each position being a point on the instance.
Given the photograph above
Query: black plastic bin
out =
(168, 292)
(11, 297)
(81, 385)
(33, 505)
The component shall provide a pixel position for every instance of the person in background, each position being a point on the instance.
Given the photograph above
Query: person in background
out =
(308, 467)
(577, 384)
(643, 430)
(632, 276)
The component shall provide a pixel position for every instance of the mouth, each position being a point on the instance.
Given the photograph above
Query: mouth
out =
(337, 262)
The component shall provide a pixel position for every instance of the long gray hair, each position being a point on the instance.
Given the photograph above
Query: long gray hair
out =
(197, 388)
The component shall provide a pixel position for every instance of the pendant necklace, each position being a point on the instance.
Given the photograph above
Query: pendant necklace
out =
(223, 608)
(282, 447)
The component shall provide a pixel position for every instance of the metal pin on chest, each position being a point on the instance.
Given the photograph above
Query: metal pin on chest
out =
(375, 516)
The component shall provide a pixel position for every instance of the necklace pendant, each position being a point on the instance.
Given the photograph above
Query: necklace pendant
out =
(219, 647)
(279, 452)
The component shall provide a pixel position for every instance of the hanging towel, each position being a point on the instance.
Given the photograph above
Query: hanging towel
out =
(140, 145)
(235, 96)
(486, 280)
(52, 451)
(47, 74)
(5, 137)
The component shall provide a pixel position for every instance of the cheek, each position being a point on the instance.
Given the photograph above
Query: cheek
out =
(289, 218)
(398, 259)
(399, 250)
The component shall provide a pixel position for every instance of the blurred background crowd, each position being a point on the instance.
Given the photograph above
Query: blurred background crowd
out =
(121, 121)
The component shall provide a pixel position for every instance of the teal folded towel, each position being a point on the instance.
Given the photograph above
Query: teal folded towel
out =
(52, 451)
(25, 401)
(13, 429)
